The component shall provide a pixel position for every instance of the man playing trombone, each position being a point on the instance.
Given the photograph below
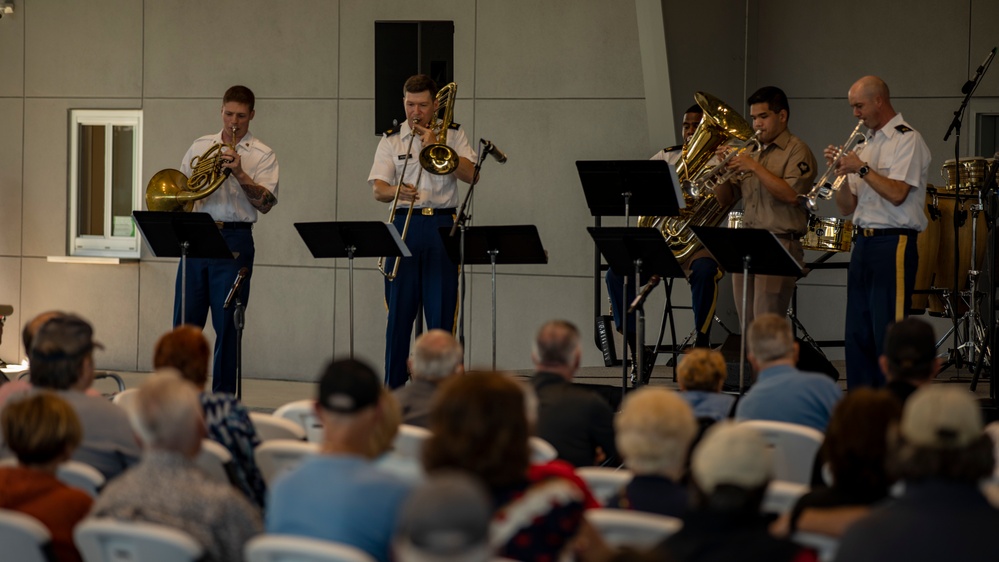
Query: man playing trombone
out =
(886, 195)
(770, 183)
(429, 275)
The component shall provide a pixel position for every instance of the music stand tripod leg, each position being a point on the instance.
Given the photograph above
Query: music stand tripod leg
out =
(350, 289)
(183, 281)
(492, 260)
(742, 339)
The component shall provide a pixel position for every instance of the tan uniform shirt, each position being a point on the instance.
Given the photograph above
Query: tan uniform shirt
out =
(787, 157)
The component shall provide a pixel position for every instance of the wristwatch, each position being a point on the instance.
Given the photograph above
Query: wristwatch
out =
(863, 170)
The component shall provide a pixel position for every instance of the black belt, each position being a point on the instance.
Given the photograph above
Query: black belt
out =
(869, 232)
(426, 211)
(234, 225)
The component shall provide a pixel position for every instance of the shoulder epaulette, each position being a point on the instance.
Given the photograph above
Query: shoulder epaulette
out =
(454, 126)
(390, 132)
(902, 128)
(673, 148)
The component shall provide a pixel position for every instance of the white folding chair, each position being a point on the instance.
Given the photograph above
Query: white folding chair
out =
(635, 529)
(794, 447)
(214, 460)
(23, 538)
(82, 476)
(409, 440)
(277, 456)
(823, 545)
(604, 481)
(125, 398)
(272, 427)
(542, 451)
(781, 496)
(303, 413)
(287, 548)
(107, 540)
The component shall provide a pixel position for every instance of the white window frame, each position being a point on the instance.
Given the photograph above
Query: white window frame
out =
(107, 245)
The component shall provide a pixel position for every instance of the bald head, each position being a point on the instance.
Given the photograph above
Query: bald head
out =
(871, 102)
(436, 355)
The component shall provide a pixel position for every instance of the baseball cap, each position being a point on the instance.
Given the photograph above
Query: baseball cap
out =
(731, 454)
(445, 519)
(941, 417)
(910, 347)
(347, 386)
(63, 337)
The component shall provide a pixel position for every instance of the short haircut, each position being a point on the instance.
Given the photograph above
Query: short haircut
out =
(40, 428)
(556, 343)
(702, 369)
(694, 109)
(31, 328)
(185, 349)
(855, 445)
(240, 94)
(911, 350)
(436, 354)
(58, 350)
(167, 413)
(774, 97)
(420, 83)
(770, 338)
(654, 430)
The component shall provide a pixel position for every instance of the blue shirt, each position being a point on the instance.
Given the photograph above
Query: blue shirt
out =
(711, 405)
(340, 498)
(783, 393)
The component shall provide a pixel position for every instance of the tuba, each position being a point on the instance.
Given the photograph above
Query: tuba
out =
(171, 190)
(720, 125)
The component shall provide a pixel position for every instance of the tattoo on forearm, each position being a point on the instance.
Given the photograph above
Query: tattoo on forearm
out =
(259, 197)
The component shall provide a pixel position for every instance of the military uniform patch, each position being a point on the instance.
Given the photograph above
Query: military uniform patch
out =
(902, 128)
(390, 132)
(803, 166)
(454, 126)
(673, 148)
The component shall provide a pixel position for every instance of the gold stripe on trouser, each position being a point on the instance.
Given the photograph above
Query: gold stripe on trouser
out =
(714, 302)
(900, 278)
(457, 294)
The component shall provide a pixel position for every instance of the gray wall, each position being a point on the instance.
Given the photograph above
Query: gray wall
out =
(550, 81)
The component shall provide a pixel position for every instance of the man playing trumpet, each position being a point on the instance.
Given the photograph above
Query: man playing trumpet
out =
(886, 195)
(429, 275)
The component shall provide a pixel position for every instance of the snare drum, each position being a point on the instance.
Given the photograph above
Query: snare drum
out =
(734, 219)
(973, 174)
(828, 234)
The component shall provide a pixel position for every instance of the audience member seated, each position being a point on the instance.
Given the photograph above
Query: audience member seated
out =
(854, 450)
(579, 423)
(23, 385)
(910, 357)
(700, 376)
(167, 488)
(62, 360)
(654, 430)
(43, 431)
(339, 495)
(445, 519)
(730, 471)
(782, 392)
(436, 356)
(228, 422)
(479, 426)
(941, 453)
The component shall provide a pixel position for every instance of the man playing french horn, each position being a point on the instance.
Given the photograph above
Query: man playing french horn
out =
(769, 184)
(429, 275)
(886, 195)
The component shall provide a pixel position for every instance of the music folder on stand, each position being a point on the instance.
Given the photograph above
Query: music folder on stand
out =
(750, 251)
(496, 245)
(622, 188)
(352, 239)
(182, 235)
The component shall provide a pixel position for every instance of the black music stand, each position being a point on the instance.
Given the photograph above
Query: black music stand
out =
(631, 251)
(750, 251)
(494, 245)
(182, 235)
(357, 239)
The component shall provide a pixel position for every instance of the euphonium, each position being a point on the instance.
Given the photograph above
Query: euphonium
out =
(439, 158)
(721, 124)
(171, 190)
(826, 185)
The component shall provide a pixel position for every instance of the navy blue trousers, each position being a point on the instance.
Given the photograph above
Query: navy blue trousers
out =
(429, 277)
(878, 293)
(208, 284)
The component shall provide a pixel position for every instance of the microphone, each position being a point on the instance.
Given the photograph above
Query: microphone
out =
(235, 286)
(644, 293)
(970, 84)
(496, 152)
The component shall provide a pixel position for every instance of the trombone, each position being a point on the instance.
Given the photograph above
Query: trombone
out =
(826, 185)
(395, 202)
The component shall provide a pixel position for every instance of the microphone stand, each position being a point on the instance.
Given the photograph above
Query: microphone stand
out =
(461, 223)
(955, 127)
(239, 319)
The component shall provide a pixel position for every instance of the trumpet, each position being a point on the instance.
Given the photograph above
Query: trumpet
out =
(826, 185)
(390, 276)
(709, 178)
